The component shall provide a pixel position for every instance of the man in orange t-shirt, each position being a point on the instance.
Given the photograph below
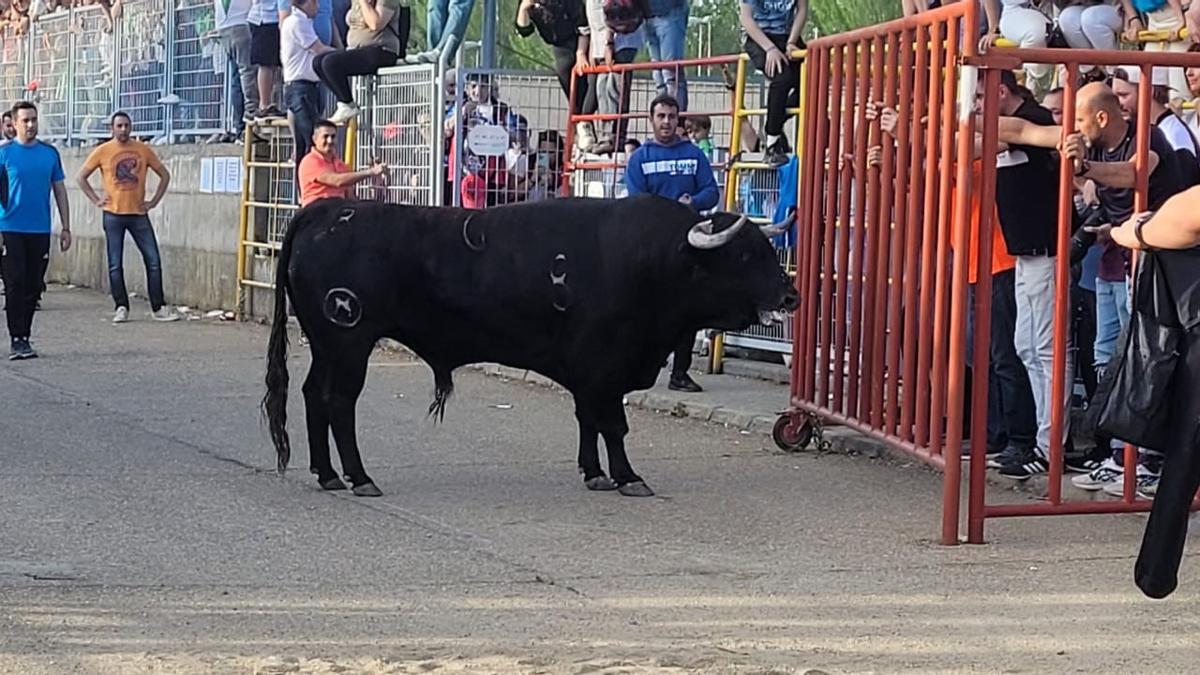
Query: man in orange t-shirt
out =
(1011, 419)
(123, 163)
(323, 175)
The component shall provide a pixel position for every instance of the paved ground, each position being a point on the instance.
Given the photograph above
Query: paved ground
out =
(144, 531)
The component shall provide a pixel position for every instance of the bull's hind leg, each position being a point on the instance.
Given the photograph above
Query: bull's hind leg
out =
(347, 376)
(613, 426)
(316, 415)
(589, 451)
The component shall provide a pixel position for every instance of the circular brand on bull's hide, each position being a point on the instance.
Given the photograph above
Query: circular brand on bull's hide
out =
(342, 307)
(488, 140)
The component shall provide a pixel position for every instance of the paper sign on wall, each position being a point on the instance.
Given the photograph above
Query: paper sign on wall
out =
(206, 175)
(219, 174)
(233, 174)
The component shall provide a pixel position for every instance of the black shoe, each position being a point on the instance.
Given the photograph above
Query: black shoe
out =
(21, 350)
(684, 383)
(1006, 456)
(1030, 464)
(603, 148)
(778, 154)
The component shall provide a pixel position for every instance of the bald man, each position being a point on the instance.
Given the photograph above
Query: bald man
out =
(1103, 150)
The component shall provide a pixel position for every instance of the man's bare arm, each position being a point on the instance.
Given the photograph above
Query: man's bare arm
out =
(1016, 131)
(1117, 174)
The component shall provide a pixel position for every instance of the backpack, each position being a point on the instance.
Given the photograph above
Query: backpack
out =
(624, 16)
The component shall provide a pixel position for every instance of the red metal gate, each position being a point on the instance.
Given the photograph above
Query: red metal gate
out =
(880, 335)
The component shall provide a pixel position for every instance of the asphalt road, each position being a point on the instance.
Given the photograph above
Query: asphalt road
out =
(143, 529)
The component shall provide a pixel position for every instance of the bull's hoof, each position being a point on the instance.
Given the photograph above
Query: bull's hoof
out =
(334, 483)
(638, 489)
(600, 484)
(367, 490)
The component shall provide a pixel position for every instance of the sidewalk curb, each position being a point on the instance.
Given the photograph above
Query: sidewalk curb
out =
(754, 422)
(842, 440)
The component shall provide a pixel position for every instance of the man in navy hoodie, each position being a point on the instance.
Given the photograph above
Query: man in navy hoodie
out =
(671, 166)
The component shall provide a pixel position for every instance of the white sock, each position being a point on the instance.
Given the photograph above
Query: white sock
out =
(771, 140)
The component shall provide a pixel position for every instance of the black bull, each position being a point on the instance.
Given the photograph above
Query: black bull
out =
(593, 294)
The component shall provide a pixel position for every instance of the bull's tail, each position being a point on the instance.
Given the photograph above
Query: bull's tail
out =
(274, 403)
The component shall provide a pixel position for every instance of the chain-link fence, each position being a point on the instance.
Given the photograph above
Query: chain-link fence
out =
(143, 77)
(508, 144)
(159, 62)
(198, 68)
(14, 59)
(50, 77)
(92, 82)
(400, 125)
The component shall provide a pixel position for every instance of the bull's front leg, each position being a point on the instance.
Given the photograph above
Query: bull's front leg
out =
(589, 450)
(613, 426)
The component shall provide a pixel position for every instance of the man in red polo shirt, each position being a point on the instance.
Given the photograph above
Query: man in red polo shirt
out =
(323, 175)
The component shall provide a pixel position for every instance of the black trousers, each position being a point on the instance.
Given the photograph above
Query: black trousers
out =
(564, 64)
(1084, 326)
(25, 259)
(1012, 415)
(682, 360)
(784, 89)
(335, 68)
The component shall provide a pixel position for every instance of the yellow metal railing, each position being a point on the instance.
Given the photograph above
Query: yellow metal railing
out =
(737, 165)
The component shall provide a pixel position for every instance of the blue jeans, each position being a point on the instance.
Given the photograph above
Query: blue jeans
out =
(447, 17)
(1112, 317)
(666, 36)
(115, 227)
(303, 101)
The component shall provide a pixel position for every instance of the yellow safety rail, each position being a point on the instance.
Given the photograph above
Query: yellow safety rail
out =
(737, 165)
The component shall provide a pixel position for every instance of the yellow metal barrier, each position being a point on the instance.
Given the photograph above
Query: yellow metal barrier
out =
(1143, 37)
(733, 181)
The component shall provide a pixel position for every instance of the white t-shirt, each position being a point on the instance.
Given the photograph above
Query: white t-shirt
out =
(264, 12)
(1176, 132)
(231, 13)
(296, 36)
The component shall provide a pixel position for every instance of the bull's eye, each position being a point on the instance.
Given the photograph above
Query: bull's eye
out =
(745, 257)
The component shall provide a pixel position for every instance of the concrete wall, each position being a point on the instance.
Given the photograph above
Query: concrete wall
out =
(197, 235)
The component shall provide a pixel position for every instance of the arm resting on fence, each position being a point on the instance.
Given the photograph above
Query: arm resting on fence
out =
(1016, 131)
(793, 42)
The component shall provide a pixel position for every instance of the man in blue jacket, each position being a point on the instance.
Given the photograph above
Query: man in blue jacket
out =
(671, 166)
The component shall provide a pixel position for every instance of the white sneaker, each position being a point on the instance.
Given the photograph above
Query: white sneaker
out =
(122, 315)
(164, 313)
(344, 113)
(1099, 478)
(1146, 484)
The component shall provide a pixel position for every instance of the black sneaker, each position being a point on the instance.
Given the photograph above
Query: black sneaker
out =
(21, 350)
(268, 113)
(684, 383)
(1004, 457)
(1081, 464)
(778, 153)
(1031, 463)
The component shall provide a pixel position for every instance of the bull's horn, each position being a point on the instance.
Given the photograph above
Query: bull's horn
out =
(701, 235)
(776, 229)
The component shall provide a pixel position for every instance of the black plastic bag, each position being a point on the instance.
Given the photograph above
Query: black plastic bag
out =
(1137, 407)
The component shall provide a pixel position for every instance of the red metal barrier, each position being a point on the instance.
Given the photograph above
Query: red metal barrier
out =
(879, 314)
(881, 331)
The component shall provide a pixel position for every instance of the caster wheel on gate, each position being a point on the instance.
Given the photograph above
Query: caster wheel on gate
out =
(792, 434)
